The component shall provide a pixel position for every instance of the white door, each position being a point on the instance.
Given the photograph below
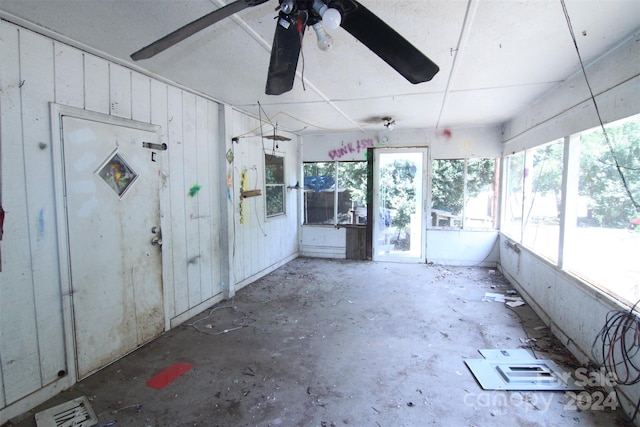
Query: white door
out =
(398, 205)
(113, 217)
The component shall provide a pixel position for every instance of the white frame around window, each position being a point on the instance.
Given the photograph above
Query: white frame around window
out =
(267, 186)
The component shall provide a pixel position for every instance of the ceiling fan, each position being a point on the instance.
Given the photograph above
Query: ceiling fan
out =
(293, 18)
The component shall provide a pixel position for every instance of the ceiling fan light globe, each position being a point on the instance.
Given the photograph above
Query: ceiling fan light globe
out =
(325, 41)
(331, 19)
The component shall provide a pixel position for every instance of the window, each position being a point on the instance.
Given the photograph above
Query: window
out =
(481, 195)
(323, 204)
(352, 177)
(447, 193)
(604, 246)
(602, 221)
(511, 223)
(319, 197)
(464, 189)
(274, 185)
(542, 198)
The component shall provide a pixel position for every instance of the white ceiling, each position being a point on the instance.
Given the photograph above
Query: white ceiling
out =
(495, 56)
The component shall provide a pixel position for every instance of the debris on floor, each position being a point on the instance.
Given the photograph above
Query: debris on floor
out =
(516, 369)
(511, 299)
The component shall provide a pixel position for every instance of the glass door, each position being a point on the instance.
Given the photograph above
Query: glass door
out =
(398, 204)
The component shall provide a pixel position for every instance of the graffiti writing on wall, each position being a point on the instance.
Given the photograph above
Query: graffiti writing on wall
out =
(350, 148)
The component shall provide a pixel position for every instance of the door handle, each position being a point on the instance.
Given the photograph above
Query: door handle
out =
(157, 240)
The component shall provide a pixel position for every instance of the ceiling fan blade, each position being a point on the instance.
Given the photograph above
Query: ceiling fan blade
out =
(285, 51)
(385, 42)
(192, 28)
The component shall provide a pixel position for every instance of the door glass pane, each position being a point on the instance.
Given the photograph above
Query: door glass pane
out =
(398, 222)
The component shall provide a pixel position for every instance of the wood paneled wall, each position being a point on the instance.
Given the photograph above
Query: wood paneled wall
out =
(200, 244)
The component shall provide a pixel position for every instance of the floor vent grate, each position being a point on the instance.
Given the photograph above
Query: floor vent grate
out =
(74, 413)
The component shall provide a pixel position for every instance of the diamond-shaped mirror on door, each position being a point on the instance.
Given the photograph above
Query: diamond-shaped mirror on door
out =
(118, 174)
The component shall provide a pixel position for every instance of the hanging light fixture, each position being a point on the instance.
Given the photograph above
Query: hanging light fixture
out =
(389, 122)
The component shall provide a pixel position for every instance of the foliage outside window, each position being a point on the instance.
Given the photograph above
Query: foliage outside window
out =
(481, 200)
(352, 176)
(399, 180)
(542, 198)
(456, 195)
(447, 193)
(274, 185)
(606, 242)
(322, 205)
(602, 226)
(511, 223)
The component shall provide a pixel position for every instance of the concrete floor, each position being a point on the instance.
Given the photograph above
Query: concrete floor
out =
(338, 343)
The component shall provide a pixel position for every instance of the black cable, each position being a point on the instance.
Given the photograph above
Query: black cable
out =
(620, 344)
(636, 205)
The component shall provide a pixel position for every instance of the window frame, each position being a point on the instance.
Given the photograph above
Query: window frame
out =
(268, 186)
(337, 179)
(571, 232)
(463, 214)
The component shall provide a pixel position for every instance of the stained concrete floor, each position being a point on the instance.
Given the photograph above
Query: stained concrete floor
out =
(338, 343)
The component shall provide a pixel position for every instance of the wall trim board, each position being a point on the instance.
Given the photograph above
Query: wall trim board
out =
(249, 280)
(194, 311)
(27, 403)
(332, 252)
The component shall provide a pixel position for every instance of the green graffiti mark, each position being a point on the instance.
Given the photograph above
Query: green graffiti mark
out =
(194, 190)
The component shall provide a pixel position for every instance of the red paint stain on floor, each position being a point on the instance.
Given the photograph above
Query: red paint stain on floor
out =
(168, 375)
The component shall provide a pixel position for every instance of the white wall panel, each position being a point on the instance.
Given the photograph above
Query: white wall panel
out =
(96, 84)
(202, 216)
(140, 98)
(260, 243)
(463, 247)
(178, 191)
(191, 196)
(69, 71)
(37, 70)
(119, 91)
(18, 347)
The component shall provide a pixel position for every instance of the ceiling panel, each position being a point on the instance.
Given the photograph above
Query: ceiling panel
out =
(495, 57)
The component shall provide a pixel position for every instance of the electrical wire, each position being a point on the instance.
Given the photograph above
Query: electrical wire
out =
(617, 347)
(301, 27)
(595, 104)
(238, 323)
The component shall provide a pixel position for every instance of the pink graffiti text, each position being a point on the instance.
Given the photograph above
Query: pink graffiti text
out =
(349, 148)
